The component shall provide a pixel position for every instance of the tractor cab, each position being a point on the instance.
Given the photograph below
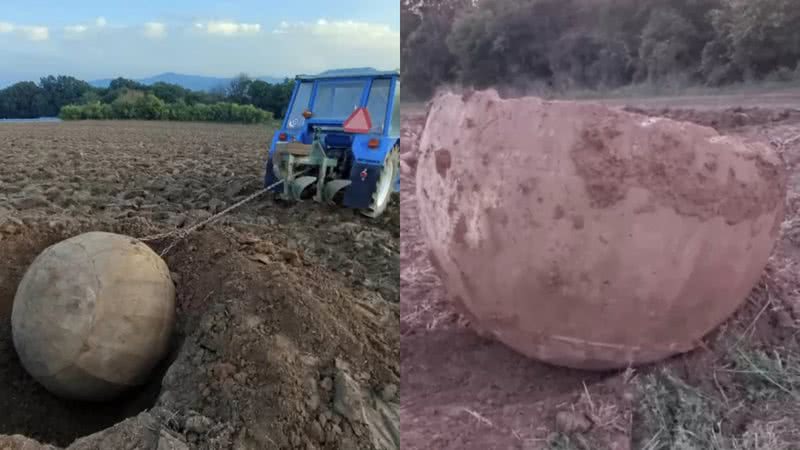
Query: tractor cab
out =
(340, 140)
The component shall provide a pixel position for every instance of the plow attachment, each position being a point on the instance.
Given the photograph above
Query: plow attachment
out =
(332, 188)
(294, 158)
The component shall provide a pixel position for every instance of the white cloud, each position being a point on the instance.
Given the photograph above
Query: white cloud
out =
(75, 29)
(352, 28)
(101, 22)
(229, 28)
(35, 33)
(282, 28)
(348, 32)
(119, 49)
(155, 30)
(32, 33)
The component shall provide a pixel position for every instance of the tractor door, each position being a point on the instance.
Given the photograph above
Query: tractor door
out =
(394, 128)
(378, 102)
(302, 98)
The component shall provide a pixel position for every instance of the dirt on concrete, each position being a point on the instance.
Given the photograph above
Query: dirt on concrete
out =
(737, 390)
(569, 211)
(287, 315)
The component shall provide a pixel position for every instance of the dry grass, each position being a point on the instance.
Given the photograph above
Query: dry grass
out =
(482, 420)
(604, 415)
(674, 414)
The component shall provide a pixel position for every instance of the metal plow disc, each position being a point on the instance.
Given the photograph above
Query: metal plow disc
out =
(332, 188)
(299, 186)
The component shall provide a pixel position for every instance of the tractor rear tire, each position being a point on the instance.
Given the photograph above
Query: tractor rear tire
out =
(384, 186)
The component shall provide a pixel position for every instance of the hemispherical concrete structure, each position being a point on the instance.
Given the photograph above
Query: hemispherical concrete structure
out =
(589, 237)
(93, 315)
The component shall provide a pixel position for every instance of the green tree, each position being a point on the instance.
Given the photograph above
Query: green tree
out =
(753, 38)
(72, 99)
(666, 47)
(96, 111)
(509, 42)
(238, 88)
(89, 97)
(124, 106)
(427, 59)
(71, 112)
(580, 60)
(271, 97)
(23, 100)
(169, 93)
(124, 83)
(60, 91)
(149, 107)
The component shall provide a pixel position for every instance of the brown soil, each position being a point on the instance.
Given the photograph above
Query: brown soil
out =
(726, 118)
(287, 315)
(462, 391)
(663, 172)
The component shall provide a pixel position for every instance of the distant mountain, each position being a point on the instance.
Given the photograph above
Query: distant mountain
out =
(193, 82)
(199, 82)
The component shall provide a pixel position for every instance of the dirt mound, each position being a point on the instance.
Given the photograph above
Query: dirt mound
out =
(287, 317)
(723, 120)
(267, 352)
(569, 213)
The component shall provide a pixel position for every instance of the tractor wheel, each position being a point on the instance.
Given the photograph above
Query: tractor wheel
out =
(383, 188)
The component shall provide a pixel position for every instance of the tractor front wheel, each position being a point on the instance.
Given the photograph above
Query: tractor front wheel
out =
(383, 188)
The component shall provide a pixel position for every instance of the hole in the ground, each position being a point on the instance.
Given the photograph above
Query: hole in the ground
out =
(28, 409)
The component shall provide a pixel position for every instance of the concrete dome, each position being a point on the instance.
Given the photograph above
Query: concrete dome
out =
(588, 237)
(93, 315)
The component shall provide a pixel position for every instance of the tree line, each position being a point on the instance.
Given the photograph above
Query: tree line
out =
(563, 45)
(244, 100)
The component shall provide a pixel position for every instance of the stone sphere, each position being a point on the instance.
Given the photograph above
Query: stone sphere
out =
(93, 315)
(589, 237)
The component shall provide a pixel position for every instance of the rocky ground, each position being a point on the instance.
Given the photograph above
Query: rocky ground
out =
(287, 314)
(738, 390)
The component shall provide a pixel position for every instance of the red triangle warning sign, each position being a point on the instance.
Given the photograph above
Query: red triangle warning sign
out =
(358, 122)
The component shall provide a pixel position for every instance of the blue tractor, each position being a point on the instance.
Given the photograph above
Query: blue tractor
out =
(340, 141)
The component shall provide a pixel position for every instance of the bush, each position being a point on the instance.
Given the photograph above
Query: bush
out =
(96, 111)
(137, 106)
(70, 112)
(781, 74)
(127, 99)
(149, 107)
(124, 106)
(179, 112)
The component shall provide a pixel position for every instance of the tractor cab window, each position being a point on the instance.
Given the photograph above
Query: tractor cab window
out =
(394, 129)
(336, 100)
(377, 103)
(295, 116)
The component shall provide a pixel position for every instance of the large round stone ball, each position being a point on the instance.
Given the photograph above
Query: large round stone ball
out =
(589, 237)
(93, 315)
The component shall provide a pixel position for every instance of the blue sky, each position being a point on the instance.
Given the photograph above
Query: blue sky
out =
(100, 39)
